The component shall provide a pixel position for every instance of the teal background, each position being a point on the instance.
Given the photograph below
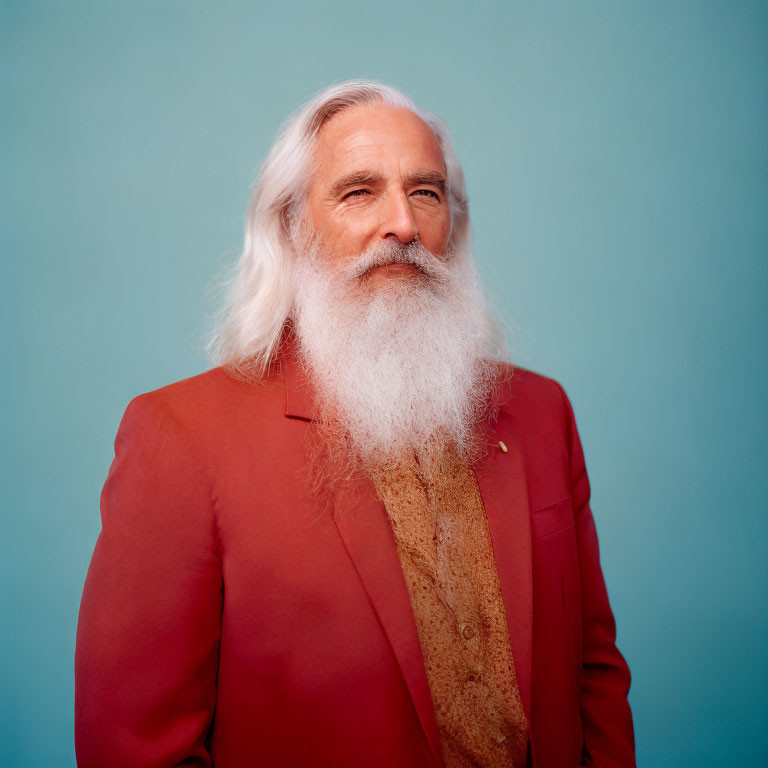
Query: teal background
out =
(616, 161)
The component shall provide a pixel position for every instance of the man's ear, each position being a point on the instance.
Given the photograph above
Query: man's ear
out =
(294, 224)
(285, 223)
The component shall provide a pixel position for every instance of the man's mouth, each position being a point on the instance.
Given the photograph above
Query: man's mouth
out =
(398, 266)
(395, 268)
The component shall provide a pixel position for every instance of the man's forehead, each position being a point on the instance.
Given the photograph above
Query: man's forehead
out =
(377, 138)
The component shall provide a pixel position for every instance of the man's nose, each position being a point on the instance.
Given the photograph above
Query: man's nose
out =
(398, 219)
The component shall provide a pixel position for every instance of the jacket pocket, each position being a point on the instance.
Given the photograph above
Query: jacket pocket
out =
(552, 519)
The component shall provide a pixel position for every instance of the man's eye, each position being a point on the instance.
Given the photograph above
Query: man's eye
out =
(427, 193)
(356, 193)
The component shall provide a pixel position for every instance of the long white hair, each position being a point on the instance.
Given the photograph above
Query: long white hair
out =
(259, 299)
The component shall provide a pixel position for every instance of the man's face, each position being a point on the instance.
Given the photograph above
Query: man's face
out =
(380, 177)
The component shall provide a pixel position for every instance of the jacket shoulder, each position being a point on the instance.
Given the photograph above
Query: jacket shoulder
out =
(522, 389)
(537, 404)
(213, 398)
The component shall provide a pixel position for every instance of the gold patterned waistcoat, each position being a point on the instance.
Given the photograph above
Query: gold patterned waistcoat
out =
(441, 531)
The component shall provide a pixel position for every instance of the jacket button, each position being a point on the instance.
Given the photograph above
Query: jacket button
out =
(468, 632)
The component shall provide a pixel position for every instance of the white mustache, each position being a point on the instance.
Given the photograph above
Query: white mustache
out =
(395, 252)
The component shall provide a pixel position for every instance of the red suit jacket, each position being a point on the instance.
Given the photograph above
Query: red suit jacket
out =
(226, 621)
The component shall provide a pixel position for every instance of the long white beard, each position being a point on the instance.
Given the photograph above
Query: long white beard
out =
(400, 365)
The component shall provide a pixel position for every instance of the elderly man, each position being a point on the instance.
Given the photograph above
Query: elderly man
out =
(364, 539)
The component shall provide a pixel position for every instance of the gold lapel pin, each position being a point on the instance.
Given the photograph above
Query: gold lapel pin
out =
(502, 446)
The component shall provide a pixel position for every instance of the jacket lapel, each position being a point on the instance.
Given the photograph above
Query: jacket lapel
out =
(501, 478)
(365, 530)
(364, 527)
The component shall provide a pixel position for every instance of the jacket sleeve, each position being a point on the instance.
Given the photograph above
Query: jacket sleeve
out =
(606, 717)
(147, 646)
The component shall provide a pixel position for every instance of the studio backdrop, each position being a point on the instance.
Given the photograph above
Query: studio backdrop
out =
(617, 168)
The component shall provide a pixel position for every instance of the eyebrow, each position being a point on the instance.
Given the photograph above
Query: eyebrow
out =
(432, 178)
(353, 179)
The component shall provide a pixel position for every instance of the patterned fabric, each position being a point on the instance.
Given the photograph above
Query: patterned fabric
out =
(441, 531)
